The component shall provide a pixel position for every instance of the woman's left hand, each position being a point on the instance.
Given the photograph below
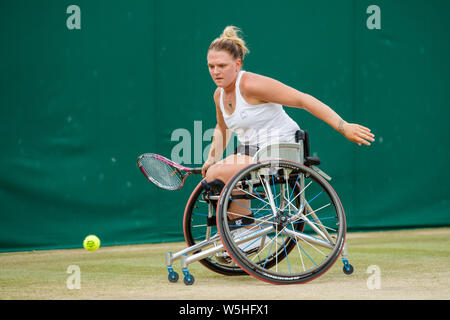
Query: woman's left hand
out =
(357, 133)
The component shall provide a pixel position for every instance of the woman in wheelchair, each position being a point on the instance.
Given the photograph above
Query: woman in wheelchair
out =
(251, 106)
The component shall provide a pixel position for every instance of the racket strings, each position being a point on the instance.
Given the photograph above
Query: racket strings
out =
(161, 173)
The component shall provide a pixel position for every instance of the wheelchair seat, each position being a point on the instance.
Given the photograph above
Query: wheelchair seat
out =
(298, 152)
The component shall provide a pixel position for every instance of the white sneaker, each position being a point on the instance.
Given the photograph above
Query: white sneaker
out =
(249, 246)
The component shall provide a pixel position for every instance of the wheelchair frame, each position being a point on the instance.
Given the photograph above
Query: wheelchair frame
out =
(294, 152)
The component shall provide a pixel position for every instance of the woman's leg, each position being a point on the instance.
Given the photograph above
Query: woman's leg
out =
(224, 170)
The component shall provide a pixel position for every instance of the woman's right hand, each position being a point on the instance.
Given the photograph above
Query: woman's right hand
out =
(208, 163)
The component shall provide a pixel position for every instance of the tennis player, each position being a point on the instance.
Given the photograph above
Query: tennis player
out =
(251, 105)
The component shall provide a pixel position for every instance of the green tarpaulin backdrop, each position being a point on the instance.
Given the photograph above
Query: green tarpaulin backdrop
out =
(78, 105)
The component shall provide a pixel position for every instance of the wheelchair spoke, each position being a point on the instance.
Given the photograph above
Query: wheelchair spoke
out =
(269, 194)
(273, 185)
(299, 194)
(295, 230)
(271, 242)
(200, 214)
(309, 238)
(250, 194)
(253, 218)
(293, 189)
(287, 257)
(260, 208)
(251, 185)
(299, 253)
(304, 252)
(246, 206)
(316, 220)
(309, 243)
(316, 223)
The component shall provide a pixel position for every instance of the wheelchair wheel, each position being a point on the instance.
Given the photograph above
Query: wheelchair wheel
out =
(299, 223)
(197, 228)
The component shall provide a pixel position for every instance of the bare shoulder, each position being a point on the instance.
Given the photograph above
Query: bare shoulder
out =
(249, 78)
(251, 82)
(253, 87)
(258, 89)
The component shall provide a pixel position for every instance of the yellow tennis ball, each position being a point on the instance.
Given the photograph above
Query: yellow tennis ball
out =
(91, 243)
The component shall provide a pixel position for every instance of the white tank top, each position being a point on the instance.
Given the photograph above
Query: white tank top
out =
(261, 124)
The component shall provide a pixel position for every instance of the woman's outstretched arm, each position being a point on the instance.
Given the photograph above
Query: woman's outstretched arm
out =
(265, 89)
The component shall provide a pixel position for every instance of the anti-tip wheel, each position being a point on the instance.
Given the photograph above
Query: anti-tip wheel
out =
(173, 277)
(348, 269)
(189, 280)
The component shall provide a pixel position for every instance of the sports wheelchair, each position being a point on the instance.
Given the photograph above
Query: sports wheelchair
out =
(293, 230)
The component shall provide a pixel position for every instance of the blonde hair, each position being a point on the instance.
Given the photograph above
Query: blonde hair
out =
(232, 42)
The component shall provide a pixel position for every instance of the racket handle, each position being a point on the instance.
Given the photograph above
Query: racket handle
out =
(196, 171)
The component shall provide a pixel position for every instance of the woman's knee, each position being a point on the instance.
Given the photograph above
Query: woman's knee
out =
(227, 168)
(214, 173)
(222, 172)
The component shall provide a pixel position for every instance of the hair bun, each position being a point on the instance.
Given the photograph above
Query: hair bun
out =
(231, 41)
(231, 33)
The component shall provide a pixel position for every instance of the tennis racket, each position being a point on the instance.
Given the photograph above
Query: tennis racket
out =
(163, 172)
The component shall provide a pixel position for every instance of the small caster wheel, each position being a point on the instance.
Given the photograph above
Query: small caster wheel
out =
(173, 276)
(348, 269)
(189, 280)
